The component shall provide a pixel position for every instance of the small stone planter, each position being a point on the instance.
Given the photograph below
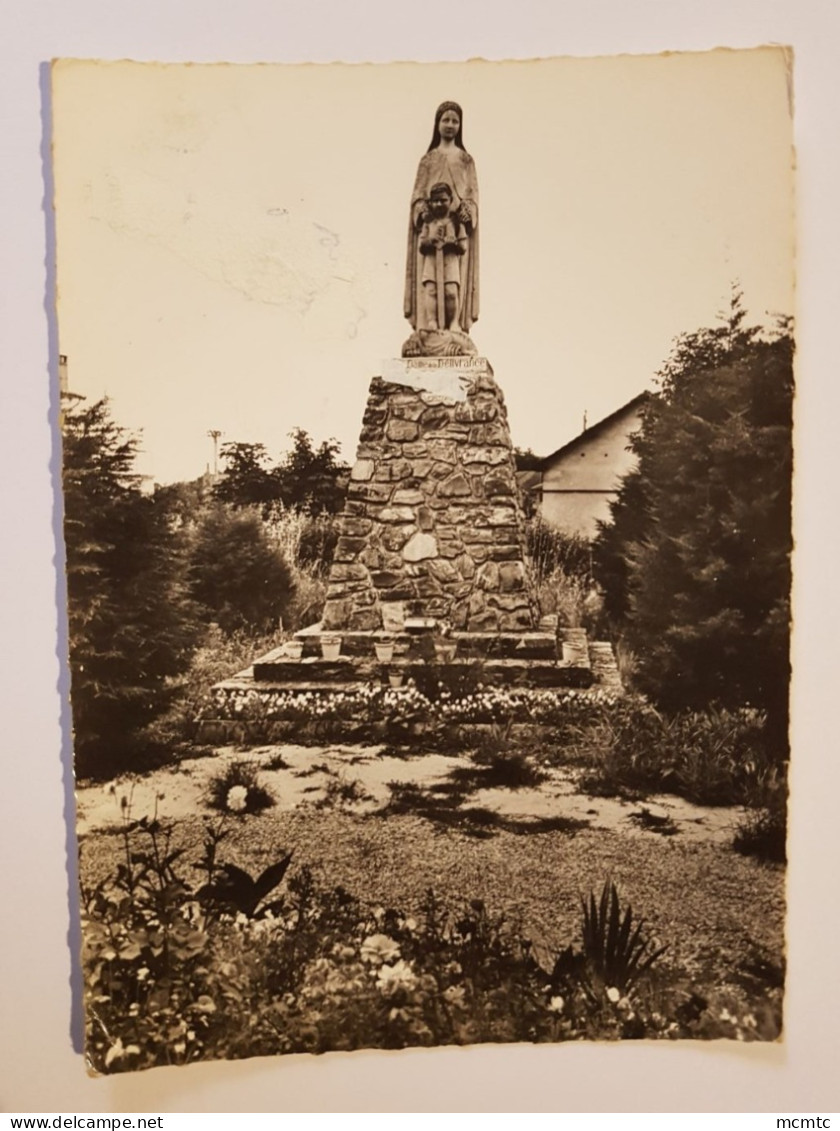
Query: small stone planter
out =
(330, 647)
(384, 650)
(395, 679)
(294, 649)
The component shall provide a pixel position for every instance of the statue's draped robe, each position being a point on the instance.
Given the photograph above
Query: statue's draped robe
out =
(455, 168)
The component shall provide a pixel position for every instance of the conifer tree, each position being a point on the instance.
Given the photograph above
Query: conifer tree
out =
(235, 574)
(696, 565)
(131, 625)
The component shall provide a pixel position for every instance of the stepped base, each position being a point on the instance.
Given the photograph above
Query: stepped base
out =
(311, 673)
(540, 660)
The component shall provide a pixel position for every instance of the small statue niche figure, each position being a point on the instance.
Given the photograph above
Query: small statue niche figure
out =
(442, 241)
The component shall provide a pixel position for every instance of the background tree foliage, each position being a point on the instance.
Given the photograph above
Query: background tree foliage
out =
(696, 563)
(307, 478)
(131, 624)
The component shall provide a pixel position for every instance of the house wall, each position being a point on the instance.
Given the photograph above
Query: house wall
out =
(579, 483)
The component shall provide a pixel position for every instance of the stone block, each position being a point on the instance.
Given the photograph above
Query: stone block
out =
(393, 615)
(506, 553)
(348, 549)
(396, 514)
(375, 413)
(392, 471)
(459, 616)
(370, 492)
(443, 570)
(493, 433)
(420, 546)
(385, 578)
(442, 451)
(415, 450)
(337, 613)
(480, 454)
(487, 577)
(466, 567)
(456, 432)
(427, 587)
(435, 419)
(502, 516)
(450, 547)
(401, 430)
(395, 537)
(508, 602)
(454, 486)
(372, 558)
(407, 496)
(355, 527)
(364, 619)
(499, 485)
(511, 576)
(425, 518)
(485, 621)
(342, 572)
(435, 399)
(477, 409)
(420, 468)
(362, 470)
(479, 474)
(411, 411)
(517, 621)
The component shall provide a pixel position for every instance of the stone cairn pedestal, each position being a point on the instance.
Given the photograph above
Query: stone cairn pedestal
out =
(433, 525)
(431, 554)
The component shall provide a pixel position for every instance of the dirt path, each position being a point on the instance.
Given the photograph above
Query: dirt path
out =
(364, 780)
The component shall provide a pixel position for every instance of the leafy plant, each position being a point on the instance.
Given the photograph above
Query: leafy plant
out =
(238, 789)
(615, 951)
(614, 943)
(504, 765)
(233, 888)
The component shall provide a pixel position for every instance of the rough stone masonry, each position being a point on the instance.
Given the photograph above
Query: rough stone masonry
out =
(433, 524)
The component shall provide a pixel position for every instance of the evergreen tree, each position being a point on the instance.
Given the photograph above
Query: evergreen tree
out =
(131, 627)
(696, 566)
(240, 579)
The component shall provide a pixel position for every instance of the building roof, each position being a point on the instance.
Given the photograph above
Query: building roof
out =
(593, 430)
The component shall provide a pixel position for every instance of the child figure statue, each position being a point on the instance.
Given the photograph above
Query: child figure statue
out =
(442, 241)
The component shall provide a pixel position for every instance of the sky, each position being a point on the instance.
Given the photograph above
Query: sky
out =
(231, 238)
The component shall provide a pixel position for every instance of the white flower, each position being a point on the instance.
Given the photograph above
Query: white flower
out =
(379, 948)
(455, 995)
(556, 1005)
(237, 798)
(613, 994)
(400, 976)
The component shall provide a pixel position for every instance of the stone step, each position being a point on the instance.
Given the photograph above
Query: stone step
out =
(315, 673)
(604, 667)
(469, 645)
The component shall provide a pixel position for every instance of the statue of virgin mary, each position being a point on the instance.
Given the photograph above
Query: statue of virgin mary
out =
(446, 162)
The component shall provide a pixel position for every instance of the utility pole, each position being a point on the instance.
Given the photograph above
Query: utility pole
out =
(214, 435)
